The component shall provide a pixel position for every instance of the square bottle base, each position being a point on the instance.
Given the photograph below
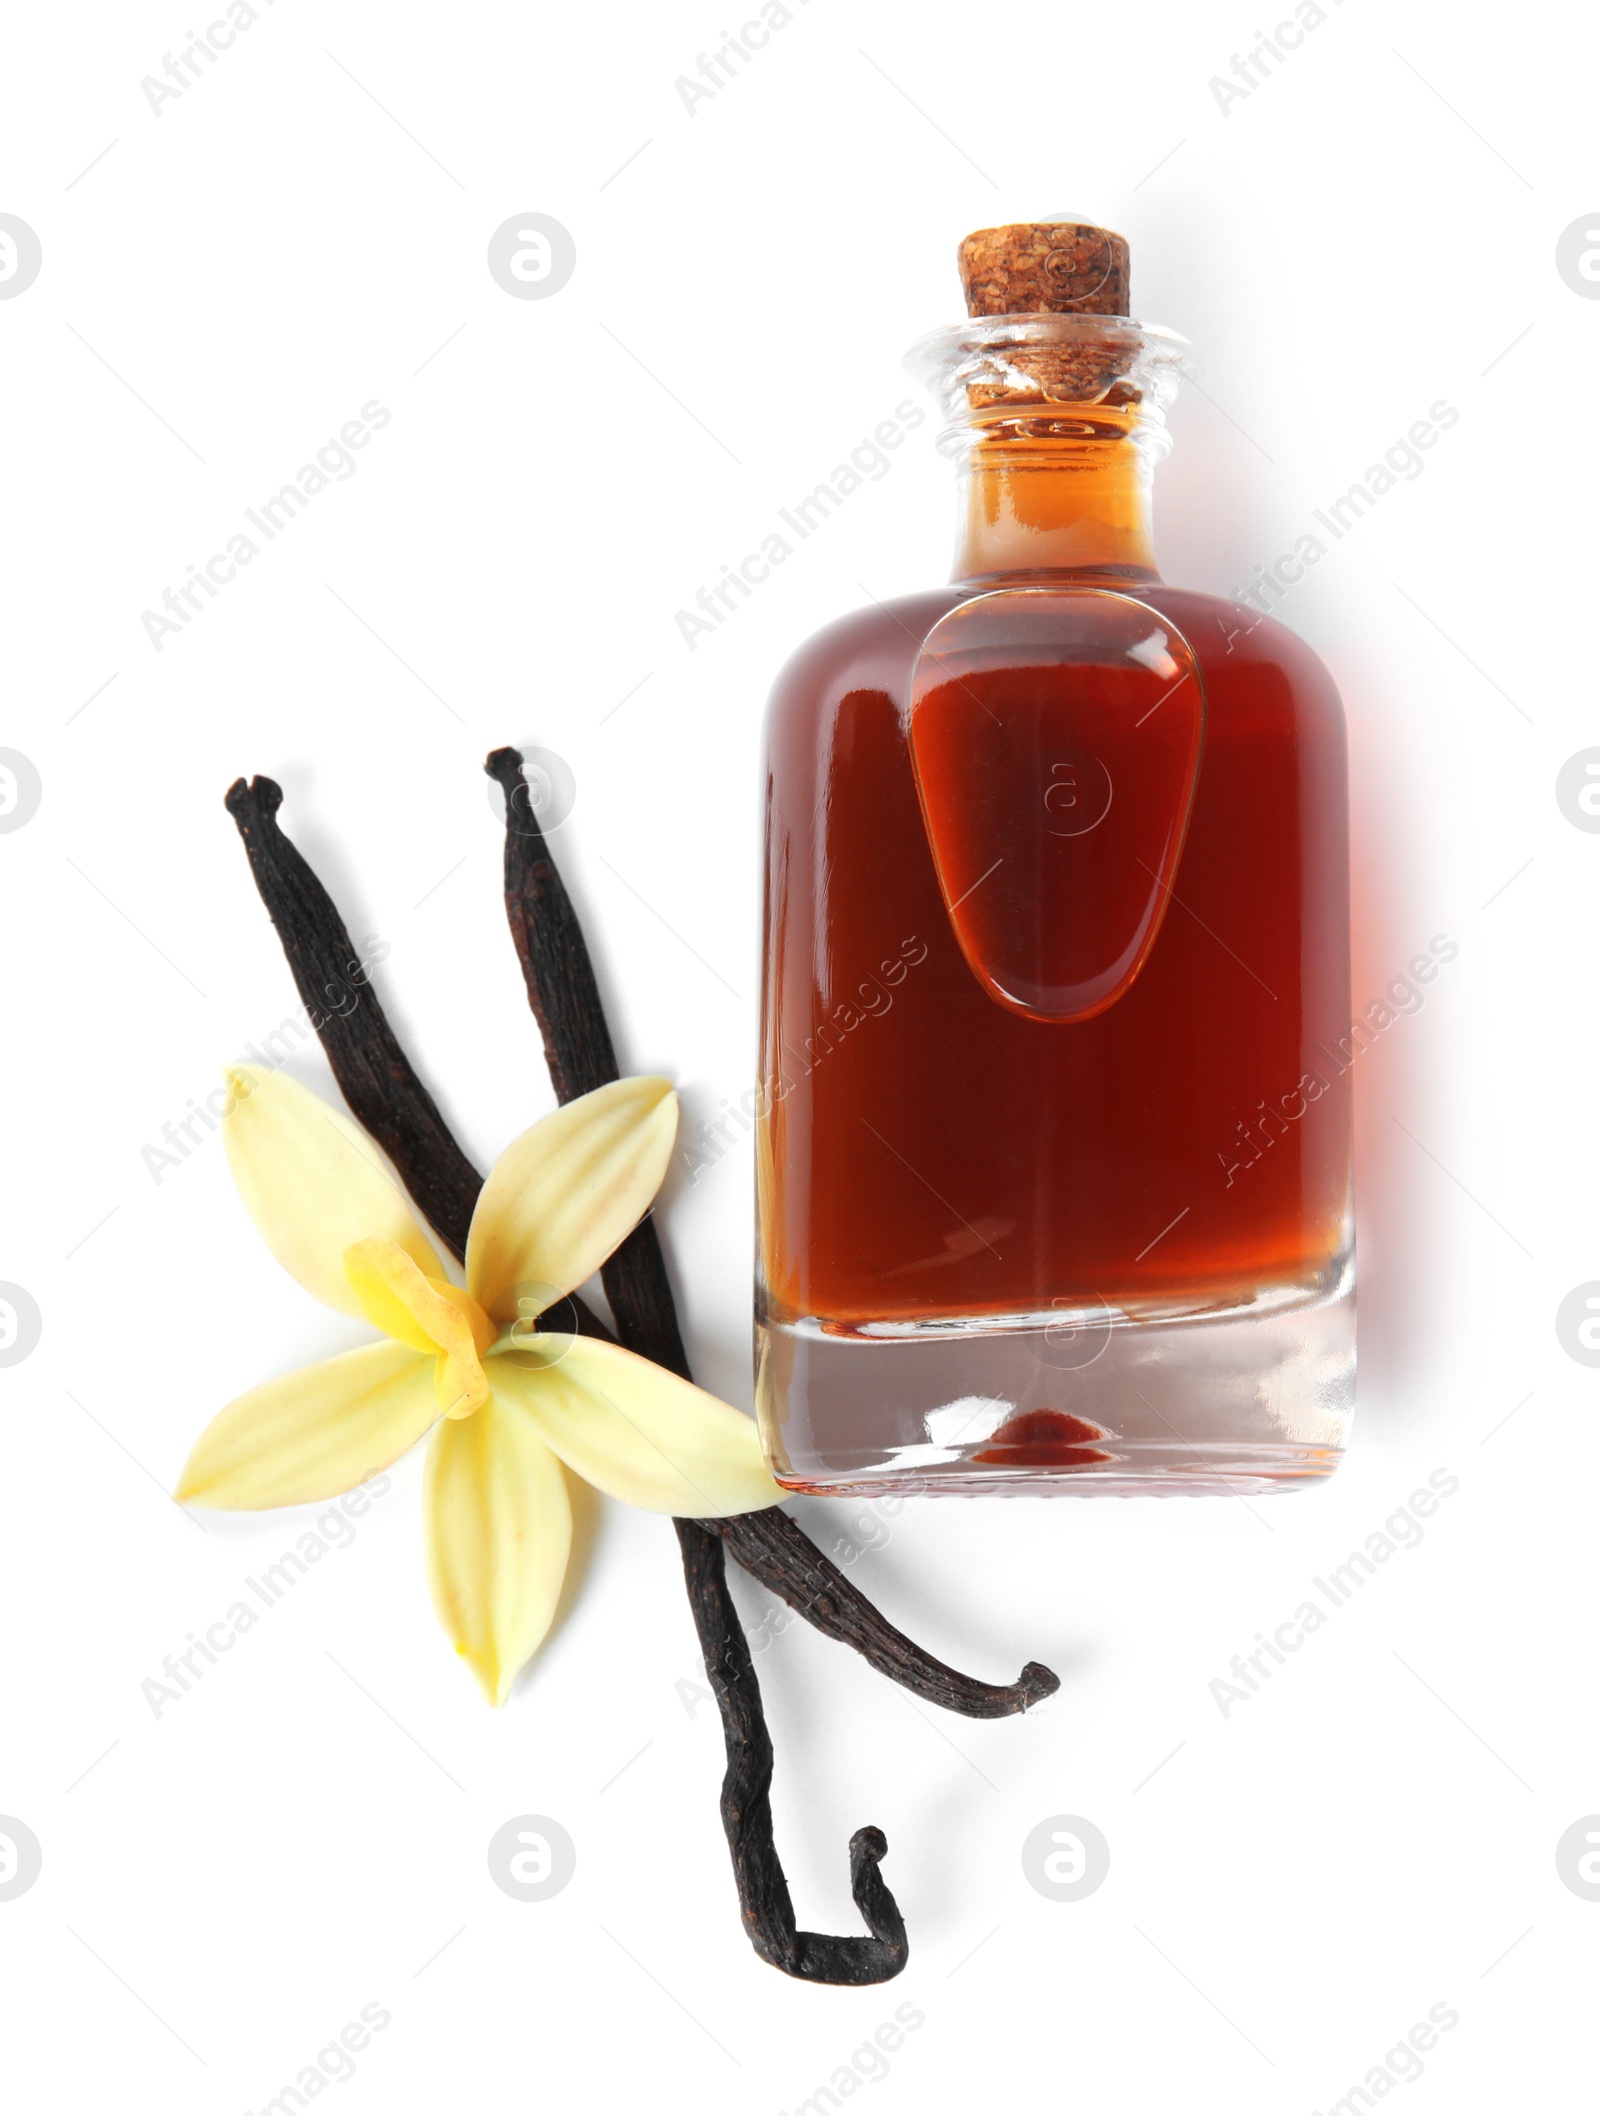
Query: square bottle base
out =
(1244, 1401)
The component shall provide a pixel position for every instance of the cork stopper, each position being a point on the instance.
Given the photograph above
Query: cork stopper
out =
(1057, 267)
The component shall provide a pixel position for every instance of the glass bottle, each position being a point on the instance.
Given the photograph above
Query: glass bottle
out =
(1054, 1147)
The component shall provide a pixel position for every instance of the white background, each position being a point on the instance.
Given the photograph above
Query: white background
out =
(304, 1832)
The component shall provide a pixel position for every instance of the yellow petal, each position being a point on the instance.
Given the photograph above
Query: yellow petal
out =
(499, 1530)
(315, 1433)
(561, 1198)
(635, 1431)
(428, 1314)
(313, 1182)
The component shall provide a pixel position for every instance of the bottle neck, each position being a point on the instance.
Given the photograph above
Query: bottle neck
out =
(1057, 423)
(1045, 495)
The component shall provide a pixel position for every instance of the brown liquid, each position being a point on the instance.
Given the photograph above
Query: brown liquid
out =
(930, 1151)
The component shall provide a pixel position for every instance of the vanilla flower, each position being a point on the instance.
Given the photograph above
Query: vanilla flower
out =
(512, 1409)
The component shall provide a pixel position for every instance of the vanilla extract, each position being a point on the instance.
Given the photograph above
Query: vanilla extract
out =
(999, 1249)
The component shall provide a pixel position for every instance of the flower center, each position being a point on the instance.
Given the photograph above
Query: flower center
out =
(429, 1314)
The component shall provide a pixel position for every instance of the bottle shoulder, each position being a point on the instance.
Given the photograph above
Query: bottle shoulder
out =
(1240, 649)
(866, 649)
(1218, 627)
